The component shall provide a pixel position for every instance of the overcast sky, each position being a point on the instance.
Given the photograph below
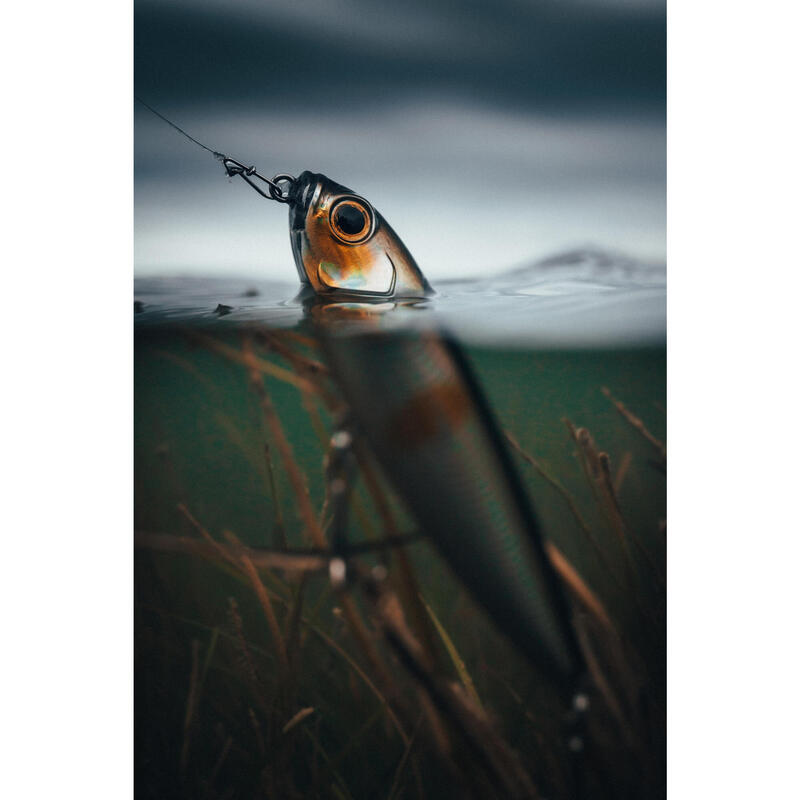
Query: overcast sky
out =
(488, 133)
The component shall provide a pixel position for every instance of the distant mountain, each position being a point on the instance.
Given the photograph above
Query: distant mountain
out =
(586, 264)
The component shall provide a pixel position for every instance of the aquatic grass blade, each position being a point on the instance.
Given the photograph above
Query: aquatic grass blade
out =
(455, 657)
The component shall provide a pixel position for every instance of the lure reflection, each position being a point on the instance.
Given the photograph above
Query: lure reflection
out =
(414, 399)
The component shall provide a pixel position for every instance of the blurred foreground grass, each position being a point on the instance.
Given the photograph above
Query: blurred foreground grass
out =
(252, 680)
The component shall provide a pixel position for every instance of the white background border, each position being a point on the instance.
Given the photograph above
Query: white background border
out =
(66, 707)
(732, 256)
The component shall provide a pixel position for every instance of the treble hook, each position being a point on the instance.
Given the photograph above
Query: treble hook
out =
(234, 167)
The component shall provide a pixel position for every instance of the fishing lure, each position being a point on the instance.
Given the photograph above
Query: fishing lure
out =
(416, 401)
(343, 247)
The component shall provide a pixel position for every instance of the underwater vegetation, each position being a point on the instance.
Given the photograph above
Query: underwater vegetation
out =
(264, 668)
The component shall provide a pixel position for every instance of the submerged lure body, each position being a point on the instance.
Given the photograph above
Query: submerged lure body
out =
(414, 398)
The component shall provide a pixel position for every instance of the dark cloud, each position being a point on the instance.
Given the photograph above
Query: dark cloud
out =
(344, 54)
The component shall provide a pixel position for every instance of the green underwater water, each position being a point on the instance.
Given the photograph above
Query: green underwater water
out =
(199, 440)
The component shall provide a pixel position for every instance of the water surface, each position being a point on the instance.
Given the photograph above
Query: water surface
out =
(579, 299)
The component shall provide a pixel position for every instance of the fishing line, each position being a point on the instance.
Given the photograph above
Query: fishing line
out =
(215, 153)
(234, 167)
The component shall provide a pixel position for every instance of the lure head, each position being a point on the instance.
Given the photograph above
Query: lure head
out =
(344, 249)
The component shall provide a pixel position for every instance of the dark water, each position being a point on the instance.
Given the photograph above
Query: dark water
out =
(211, 699)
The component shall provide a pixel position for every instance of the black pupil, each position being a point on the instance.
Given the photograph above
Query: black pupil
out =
(350, 220)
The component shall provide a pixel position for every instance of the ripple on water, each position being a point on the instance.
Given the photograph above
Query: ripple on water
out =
(580, 298)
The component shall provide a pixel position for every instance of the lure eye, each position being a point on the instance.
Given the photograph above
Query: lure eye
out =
(352, 220)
